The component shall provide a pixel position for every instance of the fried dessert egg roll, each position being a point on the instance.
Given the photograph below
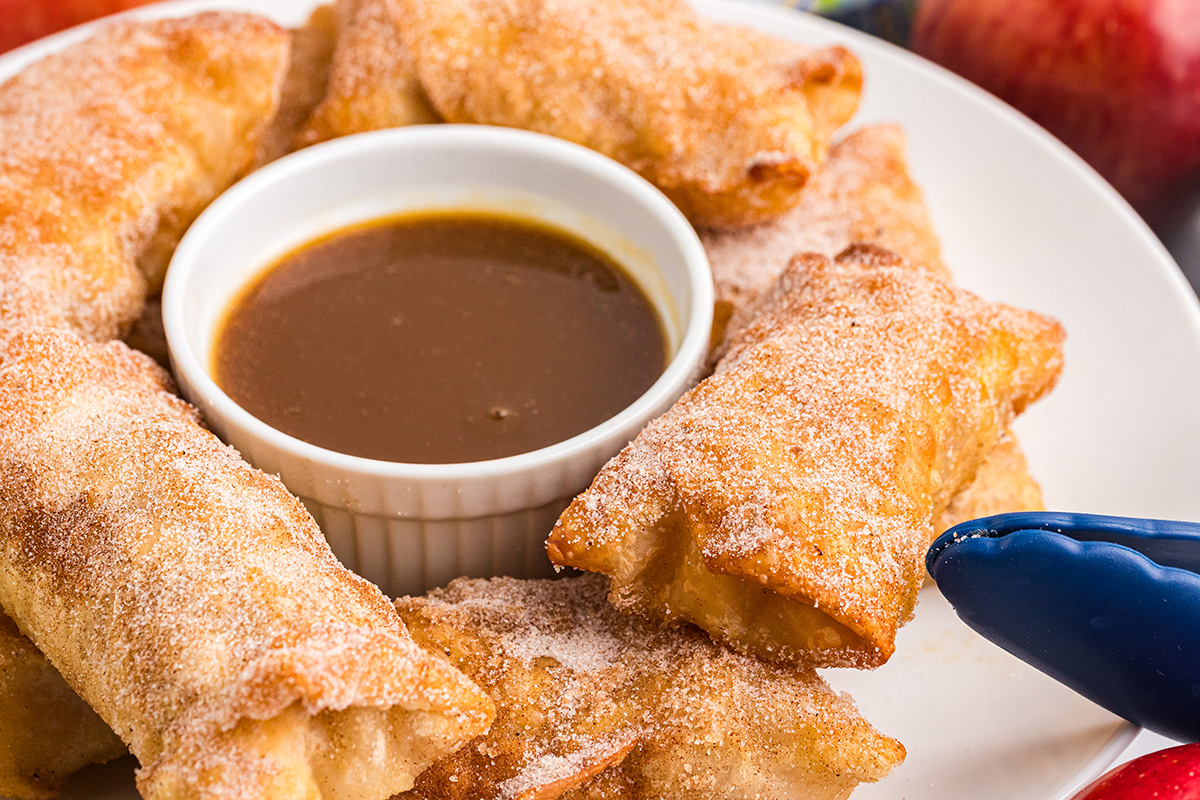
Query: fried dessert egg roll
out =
(863, 193)
(304, 84)
(192, 601)
(111, 147)
(728, 122)
(46, 731)
(593, 704)
(372, 81)
(784, 504)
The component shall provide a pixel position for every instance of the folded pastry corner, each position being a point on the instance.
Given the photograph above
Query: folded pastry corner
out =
(595, 705)
(728, 122)
(785, 503)
(864, 192)
(193, 603)
(111, 147)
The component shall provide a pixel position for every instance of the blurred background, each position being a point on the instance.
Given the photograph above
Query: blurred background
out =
(1117, 80)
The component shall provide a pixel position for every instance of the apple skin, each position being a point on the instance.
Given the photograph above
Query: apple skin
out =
(1171, 774)
(1117, 80)
(23, 21)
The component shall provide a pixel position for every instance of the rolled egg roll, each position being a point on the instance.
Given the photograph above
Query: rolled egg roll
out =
(372, 81)
(596, 705)
(728, 122)
(193, 602)
(111, 147)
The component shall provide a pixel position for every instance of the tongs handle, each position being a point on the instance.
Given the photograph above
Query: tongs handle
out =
(1110, 606)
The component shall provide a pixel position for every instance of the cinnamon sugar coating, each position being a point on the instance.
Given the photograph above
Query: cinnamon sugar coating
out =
(193, 603)
(111, 147)
(372, 82)
(46, 731)
(785, 503)
(727, 121)
(863, 193)
(596, 705)
(1001, 484)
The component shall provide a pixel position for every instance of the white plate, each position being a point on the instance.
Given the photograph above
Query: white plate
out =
(1025, 221)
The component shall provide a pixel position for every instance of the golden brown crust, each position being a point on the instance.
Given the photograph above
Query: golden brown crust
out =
(853, 400)
(727, 121)
(863, 192)
(46, 731)
(193, 602)
(372, 81)
(1002, 484)
(594, 704)
(111, 147)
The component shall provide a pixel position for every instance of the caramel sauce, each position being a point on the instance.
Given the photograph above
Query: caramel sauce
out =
(440, 338)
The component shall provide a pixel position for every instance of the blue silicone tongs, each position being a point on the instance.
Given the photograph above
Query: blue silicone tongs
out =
(1110, 606)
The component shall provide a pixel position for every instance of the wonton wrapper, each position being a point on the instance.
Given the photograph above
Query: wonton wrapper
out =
(192, 601)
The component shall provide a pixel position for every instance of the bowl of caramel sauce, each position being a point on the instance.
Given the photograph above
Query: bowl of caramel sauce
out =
(436, 336)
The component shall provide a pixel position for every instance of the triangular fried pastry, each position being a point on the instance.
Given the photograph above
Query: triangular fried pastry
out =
(46, 731)
(596, 705)
(111, 147)
(727, 121)
(863, 193)
(372, 80)
(193, 602)
(784, 504)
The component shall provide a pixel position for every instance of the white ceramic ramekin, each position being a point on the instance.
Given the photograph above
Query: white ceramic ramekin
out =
(410, 527)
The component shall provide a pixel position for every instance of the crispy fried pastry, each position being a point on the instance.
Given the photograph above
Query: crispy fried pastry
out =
(1001, 485)
(46, 731)
(192, 601)
(593, 704)
(785, 503)
(863, 192)
(372, 82)
(110, 148)
(728, 122)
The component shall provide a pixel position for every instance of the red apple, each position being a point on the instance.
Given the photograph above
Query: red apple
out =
(1117, 80)
(1171, 774)
(23, 21)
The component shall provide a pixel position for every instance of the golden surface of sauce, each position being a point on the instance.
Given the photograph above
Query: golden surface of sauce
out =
(440, 338)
